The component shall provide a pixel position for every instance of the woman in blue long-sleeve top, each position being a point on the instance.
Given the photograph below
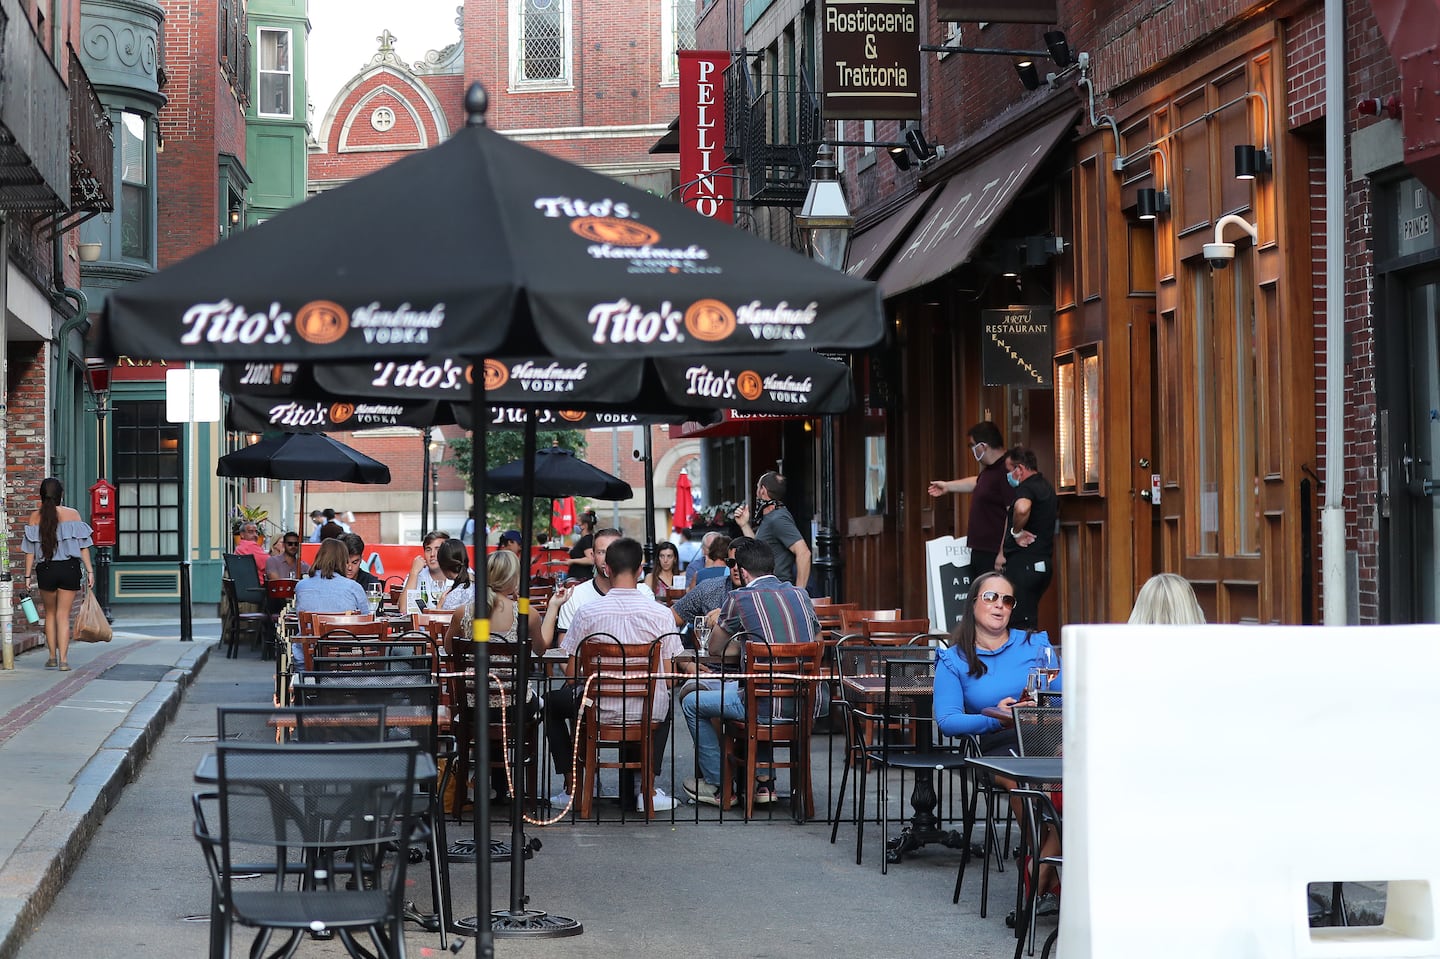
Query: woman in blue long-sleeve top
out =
(987, 664)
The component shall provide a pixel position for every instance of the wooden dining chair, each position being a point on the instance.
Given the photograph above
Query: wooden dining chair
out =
(616, 715)
(323, 628)
(779, 714)
(850, 618)
(899, 631)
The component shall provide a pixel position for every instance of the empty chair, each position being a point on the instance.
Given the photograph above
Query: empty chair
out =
(340, 809)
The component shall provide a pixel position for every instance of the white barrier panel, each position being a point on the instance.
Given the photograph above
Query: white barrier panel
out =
(1212, 772)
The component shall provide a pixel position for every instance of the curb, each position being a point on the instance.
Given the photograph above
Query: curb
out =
(41, 864)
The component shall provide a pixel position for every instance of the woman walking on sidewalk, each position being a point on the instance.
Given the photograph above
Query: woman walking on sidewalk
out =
(56, 544)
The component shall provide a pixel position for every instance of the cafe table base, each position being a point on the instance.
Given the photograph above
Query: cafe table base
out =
(463, 850)
(525, 924)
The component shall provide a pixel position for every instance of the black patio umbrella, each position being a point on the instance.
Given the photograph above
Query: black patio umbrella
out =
(488, 248)
(556, 473)
(303, 456)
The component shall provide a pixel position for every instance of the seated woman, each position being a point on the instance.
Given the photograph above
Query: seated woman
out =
(986, 665)
(327, 589)
(502, 580)
(425, 570)
(667, 569)
(459, 588)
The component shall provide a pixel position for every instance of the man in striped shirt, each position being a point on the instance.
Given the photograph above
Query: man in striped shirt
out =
(764, 608)
(633, 617)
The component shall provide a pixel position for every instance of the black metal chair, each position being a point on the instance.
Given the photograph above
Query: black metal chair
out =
(337, 810)
(1040, 815)
(241, 584)
(858, 656)
(900, 742)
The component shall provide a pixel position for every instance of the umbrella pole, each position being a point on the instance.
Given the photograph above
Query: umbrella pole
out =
(522, 631)
(519, 922)
(480, 632)
(649, 501)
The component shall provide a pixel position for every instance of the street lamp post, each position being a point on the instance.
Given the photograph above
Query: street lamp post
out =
(826, 221)
(437, 453)
(424, 481)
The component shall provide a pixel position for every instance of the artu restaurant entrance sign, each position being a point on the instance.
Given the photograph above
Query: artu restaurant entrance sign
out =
(1017, 346)
(872, 60)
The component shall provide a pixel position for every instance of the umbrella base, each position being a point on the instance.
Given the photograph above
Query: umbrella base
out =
(463, 850)
(525, 924)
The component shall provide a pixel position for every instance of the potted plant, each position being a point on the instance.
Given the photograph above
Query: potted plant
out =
(249, 514)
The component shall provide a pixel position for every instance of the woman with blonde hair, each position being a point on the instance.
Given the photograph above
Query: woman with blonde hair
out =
(1167, 599)
(502, 580)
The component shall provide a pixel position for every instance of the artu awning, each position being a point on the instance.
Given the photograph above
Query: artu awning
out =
(732, 423)
(870, 247)
(970, 204)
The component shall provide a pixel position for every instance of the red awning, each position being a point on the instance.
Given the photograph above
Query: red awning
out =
(971, 203)
(732, 423)
(1412, 29)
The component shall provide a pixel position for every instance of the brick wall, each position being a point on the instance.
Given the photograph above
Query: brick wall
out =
(202, 119)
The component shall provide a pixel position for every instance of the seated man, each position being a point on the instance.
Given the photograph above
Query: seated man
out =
(715, 547)
(249, 545)
(707, 596)
(634, 618)
(355, 546)
(765, 608)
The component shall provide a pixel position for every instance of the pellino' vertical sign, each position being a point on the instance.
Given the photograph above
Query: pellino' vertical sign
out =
(706, 184)
(872, 60)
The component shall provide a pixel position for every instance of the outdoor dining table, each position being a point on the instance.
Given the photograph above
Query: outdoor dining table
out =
(924, 826)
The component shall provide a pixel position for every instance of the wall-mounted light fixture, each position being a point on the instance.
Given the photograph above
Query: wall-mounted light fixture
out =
(1037, 250)
(1029, 76)
(1250, 162)
(235, 216)
(1057, 48)
(921, 147)
(900, 154)
(1152, 202)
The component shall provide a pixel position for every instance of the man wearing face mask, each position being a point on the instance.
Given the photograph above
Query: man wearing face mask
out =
(991, 499)
(1030, 536)
(776, 529)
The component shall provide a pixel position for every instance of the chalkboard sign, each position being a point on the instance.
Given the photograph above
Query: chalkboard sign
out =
(1017, 346)
(947, 565)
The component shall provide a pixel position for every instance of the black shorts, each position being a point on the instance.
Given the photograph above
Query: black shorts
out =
(58, 574)
(1001, 742)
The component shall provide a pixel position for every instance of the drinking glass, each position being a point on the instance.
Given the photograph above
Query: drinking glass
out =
(1047, 660)
(702, 634)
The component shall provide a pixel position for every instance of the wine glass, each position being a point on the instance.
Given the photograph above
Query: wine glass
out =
(1047, 660)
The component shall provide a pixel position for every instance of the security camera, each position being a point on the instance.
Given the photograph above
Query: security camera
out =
(637, 454)
(1219, 255)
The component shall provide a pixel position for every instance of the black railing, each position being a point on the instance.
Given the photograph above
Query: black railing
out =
(92, 145)
(34, 175)
(773, 134)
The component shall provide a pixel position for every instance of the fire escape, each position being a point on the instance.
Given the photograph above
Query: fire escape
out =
(39, 118)
(772, 133)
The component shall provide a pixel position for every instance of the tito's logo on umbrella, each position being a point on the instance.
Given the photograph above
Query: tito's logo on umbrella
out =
(607, 229)
(497, 374)
(321, 322)
(341, 412)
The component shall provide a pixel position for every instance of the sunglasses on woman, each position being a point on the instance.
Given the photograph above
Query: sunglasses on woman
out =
(990, 596)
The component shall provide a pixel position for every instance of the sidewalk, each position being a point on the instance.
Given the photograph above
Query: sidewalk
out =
(70, 742)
